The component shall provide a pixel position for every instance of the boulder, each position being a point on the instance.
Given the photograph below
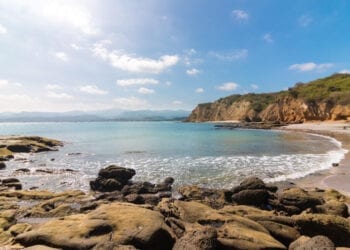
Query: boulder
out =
(333, 207)
(11, 183)
(316, 242)
(298, 242)
(112, 178)
(334, 227)
(105, 185)
(299, 198)
(113, 246)
(198, 238)
(123, 175)
(122, 223)
(233, 232)
(283, 233)
(216, 198)
(250, 183)
(256, 197)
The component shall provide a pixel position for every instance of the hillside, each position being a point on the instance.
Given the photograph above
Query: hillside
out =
(323, 99)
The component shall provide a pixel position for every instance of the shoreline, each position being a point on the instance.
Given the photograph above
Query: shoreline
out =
(333, 177)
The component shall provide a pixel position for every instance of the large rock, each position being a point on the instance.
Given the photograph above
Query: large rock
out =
(299, 198)
(198, 238)
(249, 183)
(255, 197)
(123, 175)
(112, 178)
(316, 242)
(233, 232)
(334, 227)
(283, 233)
(333, 207)
(122, 223)
(216, 198)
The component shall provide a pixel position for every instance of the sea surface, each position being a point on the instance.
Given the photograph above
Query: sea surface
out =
(191, 153)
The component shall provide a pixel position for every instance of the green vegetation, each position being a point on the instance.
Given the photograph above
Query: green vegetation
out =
(334, 89)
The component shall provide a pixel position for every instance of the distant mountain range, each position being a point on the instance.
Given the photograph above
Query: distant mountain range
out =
(105, 115)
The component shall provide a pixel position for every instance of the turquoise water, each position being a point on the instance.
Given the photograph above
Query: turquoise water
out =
(191, 153)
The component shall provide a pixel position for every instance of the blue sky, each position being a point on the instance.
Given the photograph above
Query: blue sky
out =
(159, 54)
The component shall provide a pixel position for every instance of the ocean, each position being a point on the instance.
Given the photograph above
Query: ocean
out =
(192, 153)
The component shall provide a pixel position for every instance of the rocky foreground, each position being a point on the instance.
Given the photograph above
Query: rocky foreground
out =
(121, 214)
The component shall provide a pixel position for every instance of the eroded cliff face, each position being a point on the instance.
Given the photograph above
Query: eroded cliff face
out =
(288, 109)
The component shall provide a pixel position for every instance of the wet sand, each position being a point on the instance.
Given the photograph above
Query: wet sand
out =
(335, 177)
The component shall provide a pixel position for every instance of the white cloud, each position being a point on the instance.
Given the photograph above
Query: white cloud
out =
(231, 56)
(228, 86)
(61, 56)
(268, 38)
(305, 20)
(254, 86)
(345, 71)
(145, 91)
(55, 95)
(134, 64)
(3, 82)
(136, 81)
(53, 87)
(69, 14)
(199, 90)
(92, 89)
(240, 15)
(192, 72)
(168, 83)
(130, 103)
(311, 66)
(7, 83)
(3, 30)
(76, 47)
(177, 102)
(190, 52)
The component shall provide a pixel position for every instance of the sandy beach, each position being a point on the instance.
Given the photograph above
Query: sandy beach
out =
(334, 177)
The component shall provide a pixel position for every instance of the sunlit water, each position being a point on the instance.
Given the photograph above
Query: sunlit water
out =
(191, 153)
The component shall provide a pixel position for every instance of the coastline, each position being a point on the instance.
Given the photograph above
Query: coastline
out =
(334, 177)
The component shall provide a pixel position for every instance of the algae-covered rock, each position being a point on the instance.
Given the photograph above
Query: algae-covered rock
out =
(333, 207)
(122, 223)
(198, 238)
(334, 227)
(299, 198)
(233, 232)
(216, 198)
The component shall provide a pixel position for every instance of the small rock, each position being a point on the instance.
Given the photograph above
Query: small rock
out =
(2, 165)
(22, 171)
(44, 171)
(335, 164)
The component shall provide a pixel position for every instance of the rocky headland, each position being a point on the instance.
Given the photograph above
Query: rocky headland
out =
(320, 100)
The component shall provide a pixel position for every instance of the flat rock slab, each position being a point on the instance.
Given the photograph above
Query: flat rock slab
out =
(121, 223)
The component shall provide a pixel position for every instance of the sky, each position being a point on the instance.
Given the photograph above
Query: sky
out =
(62, 55)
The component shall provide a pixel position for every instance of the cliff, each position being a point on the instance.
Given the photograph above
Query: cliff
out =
(323, 99)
